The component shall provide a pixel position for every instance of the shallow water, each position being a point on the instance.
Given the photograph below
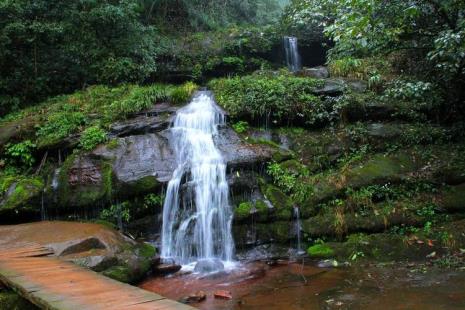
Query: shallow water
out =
(295, 286)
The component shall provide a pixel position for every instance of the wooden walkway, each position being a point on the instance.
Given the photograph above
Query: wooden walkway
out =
(51, 283)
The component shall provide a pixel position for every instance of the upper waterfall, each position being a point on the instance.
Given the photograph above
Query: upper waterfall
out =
(197, 217)
(293, 59)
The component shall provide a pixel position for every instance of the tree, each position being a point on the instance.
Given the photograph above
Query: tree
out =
(49, 47)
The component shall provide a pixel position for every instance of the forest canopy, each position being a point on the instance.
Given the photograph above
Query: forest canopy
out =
(49, 47)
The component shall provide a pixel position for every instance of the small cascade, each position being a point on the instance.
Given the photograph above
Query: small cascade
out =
(197, 217)
(291, 49)
(298, 231)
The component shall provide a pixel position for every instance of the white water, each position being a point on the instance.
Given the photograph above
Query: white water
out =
(197, 217)
(291, 50)
(298, 231)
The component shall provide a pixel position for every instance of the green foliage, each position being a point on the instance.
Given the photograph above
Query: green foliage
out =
(282, 177)
(320, 251)
(21, 153)
(240, 127)
(210, 14)
(91, 137)
(65, 46)
(426, 37)
(153, 201)
(280, 99)
(137, 98)
(182, 94)
(116, 212)
(243, 211)
(60, 125)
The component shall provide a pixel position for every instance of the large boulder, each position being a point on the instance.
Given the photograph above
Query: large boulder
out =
(140, 162)
(20, 193)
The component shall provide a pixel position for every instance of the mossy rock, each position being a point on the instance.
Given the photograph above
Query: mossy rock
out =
(381, 169)
(84, 182)
(142, 186)
(282, 203)
(133, 264)
(119, 273)
(293, 166)
(382, 247)
(258, 210)
(326, 224)
(246, 235)
(453, 200)
(243, 211)
(11, 301)
(20, 192)
(320, 251)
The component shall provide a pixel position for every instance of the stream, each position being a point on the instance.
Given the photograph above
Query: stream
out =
(294, 286)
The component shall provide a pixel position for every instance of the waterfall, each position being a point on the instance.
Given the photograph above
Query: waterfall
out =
(291, 50)
(197, 217)
(298, 231)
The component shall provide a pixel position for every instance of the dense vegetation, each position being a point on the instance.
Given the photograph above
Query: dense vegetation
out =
(423, 40)
(51, 47)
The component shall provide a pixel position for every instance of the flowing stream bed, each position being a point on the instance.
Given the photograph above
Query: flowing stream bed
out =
(295, 286)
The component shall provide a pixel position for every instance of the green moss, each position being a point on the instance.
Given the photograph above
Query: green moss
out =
(243, 211)
(262, 211)
(142, 186)
(19, 191)
(113, 144)
(277, 197)
(146, 250)
(281, 155)
(380, 169)
(85, 194)
(12, 301)
(119, 273)
(320, 251)
(453, 200)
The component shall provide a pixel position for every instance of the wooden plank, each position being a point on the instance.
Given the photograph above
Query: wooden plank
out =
(54, 284)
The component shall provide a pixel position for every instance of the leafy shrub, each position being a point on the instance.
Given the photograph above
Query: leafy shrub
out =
(182, 94)
(137, 99)
(423, 95)
(60, 125)
(153, 200)
(116, 212)
(21, 153)
(91, 137)
(240, 127)
(280, 99)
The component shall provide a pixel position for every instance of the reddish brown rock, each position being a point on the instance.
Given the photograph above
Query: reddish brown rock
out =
(195, 297)
(223, 294)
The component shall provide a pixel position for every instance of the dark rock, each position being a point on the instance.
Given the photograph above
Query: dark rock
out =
(140, 125)
(320, 72)
(145, 158)
(239, 154)
(332, 88)
(83, 181)
(97, 263)
(356, 85)
(209, 265)
(194, 298)
(165, 269)
(79, 246)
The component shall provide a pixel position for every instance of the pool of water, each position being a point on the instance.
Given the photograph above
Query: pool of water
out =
(297, 286)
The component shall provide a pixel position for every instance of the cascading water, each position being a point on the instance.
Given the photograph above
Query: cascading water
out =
(291, 50)
(298, 231)
(197, 217)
